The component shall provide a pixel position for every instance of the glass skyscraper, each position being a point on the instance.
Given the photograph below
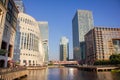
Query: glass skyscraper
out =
(20, 5)
(81, 24)
(43, 26)
(64, 49)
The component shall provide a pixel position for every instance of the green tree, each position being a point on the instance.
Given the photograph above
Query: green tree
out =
(102, 62)
(115, 59)
(3, 52)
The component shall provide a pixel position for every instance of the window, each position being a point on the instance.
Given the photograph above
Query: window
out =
(24, 61)
(6, 31)
(8, 17)
(10, 6)
(3, 1)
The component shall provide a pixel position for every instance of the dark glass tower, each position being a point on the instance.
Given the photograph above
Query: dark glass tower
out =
(81, 24)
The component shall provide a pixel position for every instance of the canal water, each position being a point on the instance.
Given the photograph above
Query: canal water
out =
(70, 74)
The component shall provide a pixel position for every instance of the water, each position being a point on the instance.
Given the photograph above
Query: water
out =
(70, 74)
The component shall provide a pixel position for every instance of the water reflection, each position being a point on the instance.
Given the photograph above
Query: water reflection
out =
(70, 74)
(36, 75)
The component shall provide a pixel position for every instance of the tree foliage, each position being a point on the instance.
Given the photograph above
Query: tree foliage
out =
(102, 62)
(115, 59)
(3, 51)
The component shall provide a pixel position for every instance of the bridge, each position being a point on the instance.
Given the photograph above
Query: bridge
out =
(64, 62)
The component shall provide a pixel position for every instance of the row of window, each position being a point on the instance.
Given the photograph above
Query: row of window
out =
(108, 29)
(11, 15)
(28, 54)
(29, 29)
(29, 62)
(27, 21)
(29, 41)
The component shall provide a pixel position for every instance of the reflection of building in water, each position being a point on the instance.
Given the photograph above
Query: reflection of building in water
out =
(37, 74)
(101, 43)
(64, 74)
(104, 76)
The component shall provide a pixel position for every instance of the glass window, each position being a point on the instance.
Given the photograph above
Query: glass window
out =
(8, 17)
(10, 6)
(3, 1)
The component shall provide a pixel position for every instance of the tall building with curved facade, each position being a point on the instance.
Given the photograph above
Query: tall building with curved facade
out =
(29, 50)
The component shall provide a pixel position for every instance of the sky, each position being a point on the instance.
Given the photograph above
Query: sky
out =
(59, 14)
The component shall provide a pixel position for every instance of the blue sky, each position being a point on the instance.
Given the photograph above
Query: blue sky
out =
(59, 14)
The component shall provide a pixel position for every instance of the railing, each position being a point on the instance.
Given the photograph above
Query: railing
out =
(13, 69)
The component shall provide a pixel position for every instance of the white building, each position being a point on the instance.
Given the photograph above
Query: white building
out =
(29, 50)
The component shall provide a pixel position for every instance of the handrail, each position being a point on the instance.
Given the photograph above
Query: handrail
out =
(12, 69)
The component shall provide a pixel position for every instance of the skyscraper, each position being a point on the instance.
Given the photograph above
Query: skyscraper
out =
(20, 5)
(64, 49)
(81, 24)
(43, 26)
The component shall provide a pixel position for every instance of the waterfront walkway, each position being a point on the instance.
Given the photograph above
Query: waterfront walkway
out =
(13, 73)
(95, 68)
(36, 67)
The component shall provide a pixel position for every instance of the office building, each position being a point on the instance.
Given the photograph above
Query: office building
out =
(8, 21)
(2, 18)
(30, 51)
(20, 5)
(81, 24)
(43, 25)
(64, 49)
(102, 42)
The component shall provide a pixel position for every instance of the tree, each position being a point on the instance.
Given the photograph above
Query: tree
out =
(3, 51)
(115, 59)
(102, 62)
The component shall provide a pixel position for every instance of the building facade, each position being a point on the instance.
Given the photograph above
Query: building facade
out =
(30, 51)
(64, 49)
(8, 30)
(20, 5)
(2, 18)
(43, 25)
(101, 43)
(28, 42)
(81, 24)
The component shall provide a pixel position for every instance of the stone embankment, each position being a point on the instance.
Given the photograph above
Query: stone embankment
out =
(95, 68)
(35, 67)
(13, 73)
